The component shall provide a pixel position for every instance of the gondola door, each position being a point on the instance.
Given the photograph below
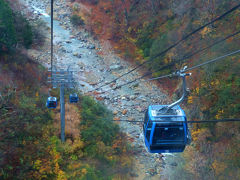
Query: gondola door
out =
(147, 130)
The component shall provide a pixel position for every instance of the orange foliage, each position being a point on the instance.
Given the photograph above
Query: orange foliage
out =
(72, 120)
(108, 22)
(218, 167)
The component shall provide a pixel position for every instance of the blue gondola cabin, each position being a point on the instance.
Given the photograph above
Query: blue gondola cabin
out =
(51, 102)
(165, 131)
(73, 98)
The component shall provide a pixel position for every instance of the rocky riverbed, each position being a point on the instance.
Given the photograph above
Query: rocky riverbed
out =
(77, 48)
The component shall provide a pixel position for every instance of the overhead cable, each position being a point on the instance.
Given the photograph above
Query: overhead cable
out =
(172, 46)
(176, 61)
(174, 73)
(199, 65)
(185, 57)
(213, 60)
(204, 121)
(51, 37)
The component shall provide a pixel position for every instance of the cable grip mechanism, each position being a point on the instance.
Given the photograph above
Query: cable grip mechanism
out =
(182, 74)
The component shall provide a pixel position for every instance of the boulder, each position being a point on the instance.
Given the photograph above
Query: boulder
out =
(116, 118)
(77, 54)
(124, 111)
(115, 67)
(91, 46)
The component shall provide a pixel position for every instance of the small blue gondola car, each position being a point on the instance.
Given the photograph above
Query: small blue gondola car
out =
(51, 102)
(165, 131)
(73, 98)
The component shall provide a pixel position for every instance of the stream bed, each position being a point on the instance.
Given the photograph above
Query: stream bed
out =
(77, 49)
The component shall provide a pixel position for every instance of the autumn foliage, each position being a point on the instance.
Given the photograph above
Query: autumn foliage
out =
(30, 147)
(138, 30)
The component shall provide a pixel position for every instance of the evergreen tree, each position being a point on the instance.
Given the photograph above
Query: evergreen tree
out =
(7, 29)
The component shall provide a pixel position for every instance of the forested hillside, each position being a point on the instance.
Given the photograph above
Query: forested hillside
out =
(30, 147)
(140, 29)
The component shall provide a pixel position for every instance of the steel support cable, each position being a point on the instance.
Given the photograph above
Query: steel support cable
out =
(185, 57)
(160, 77)
(205, 63)
(204, 121)
(125, 84)
(170, 47)
(51, 37)
(190, 122)
(168, 65)
(176, 61)
(173, 74)
(213, 60)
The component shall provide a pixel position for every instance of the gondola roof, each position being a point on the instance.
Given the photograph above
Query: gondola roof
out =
(158, 113)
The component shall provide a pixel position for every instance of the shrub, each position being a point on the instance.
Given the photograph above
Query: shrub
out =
(24, 30)
(144, 38)
(76, 20)
(14, 28)
(96, 126)
(38, 32)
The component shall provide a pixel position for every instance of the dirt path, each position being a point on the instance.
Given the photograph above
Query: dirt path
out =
(78, 49)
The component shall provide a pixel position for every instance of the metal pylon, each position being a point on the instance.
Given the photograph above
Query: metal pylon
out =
(62, 78)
